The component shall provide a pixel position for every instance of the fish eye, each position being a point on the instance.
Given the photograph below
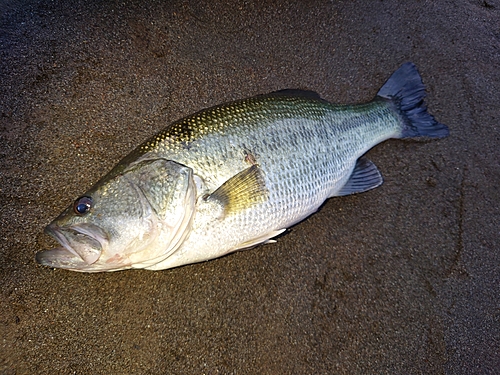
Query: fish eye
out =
(82, 205)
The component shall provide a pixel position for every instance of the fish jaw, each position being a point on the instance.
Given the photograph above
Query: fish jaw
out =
(60, 258)
(81, 246)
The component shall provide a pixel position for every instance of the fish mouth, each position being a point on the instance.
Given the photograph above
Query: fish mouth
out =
(81, 246)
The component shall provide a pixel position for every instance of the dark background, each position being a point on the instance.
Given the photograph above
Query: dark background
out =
(401, 280)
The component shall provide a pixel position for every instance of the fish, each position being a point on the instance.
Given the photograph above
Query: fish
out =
(234, 176)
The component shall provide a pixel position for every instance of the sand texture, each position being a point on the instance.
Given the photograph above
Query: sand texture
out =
(404, 279)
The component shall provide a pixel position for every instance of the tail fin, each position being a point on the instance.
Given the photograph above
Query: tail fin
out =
(406, 90)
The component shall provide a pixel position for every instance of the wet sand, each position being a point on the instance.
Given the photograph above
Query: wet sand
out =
(403, 279)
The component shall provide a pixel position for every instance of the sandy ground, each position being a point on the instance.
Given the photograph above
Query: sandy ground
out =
(401, 280)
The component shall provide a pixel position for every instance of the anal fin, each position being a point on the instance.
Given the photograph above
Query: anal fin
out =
(364, 177)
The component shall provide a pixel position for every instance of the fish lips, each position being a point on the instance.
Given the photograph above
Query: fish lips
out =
(82, 245)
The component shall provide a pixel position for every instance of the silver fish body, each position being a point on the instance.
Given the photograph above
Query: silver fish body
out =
(234, 176)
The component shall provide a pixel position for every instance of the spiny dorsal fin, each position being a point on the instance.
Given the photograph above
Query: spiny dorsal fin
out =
(365, 176)
(242, 191)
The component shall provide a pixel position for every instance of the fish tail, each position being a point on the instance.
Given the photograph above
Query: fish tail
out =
(407, 91)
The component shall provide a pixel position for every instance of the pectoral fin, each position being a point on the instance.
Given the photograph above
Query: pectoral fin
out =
(241, 191)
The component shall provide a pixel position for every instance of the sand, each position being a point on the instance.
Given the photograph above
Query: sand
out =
(404, 279)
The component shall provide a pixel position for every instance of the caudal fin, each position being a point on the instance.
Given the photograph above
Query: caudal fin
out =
(406, 90)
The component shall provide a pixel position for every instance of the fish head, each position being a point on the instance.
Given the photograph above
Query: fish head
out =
(133, 218)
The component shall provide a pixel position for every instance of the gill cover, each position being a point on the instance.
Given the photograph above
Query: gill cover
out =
(167, 189)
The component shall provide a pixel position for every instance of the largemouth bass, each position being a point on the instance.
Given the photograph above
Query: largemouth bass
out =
(234, 176)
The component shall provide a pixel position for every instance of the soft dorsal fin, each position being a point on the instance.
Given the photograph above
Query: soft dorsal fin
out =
(241, 191)
(365, 176)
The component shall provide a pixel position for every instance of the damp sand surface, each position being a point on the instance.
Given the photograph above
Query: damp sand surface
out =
(403, 279)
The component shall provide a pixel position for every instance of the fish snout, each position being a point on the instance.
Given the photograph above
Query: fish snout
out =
(85, 241)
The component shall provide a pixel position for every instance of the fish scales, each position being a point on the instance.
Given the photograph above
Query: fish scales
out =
(290, 136)
(234, 176)
(305, 148)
